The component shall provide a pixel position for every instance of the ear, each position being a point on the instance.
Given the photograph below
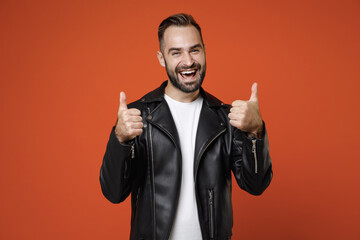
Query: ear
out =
(160, 58)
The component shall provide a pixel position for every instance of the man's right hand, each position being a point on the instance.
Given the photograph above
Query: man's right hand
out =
(129, 123)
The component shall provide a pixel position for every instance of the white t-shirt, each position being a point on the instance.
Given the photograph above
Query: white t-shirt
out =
(186, 117)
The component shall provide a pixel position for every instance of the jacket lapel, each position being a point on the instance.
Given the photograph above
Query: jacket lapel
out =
(210, 126)
(161, 117)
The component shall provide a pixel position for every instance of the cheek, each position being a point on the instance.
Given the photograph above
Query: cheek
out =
(171, 69)
(201, 59)
(176, 65)
(170, 66)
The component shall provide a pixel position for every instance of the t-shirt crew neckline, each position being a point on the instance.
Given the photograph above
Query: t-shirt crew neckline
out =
(168, 98)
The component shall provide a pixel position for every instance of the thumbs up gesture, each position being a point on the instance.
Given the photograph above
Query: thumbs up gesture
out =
(129, 123)
(245, 115)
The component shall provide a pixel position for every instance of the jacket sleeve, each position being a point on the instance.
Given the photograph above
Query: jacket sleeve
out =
(115, 172)
(251, 163)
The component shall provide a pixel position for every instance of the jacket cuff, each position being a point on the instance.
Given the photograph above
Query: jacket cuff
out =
(117, 148)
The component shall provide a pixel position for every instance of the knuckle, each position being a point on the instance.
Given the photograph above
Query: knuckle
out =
(135, 111)
(128, 125)
(133, 132)
(237, 103)
(236, 124)
(126, 118)
(234, 109)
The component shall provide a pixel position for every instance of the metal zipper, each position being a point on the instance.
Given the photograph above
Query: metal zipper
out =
(255, 156)
(133, 151)
(152, 175)
(127, 169)
(211, 213)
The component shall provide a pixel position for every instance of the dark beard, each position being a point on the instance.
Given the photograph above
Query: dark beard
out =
(187, 87)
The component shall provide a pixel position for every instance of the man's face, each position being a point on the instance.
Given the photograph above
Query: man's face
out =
(183, 55)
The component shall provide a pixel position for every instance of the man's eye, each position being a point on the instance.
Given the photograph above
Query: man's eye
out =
(175, 53)
(195, 50)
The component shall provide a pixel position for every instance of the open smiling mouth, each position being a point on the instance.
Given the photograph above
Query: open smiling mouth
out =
(188, 73)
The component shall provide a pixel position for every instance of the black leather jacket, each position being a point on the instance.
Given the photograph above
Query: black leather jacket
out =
(149, 168)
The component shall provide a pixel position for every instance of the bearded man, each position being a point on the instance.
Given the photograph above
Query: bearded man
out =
(175, 148)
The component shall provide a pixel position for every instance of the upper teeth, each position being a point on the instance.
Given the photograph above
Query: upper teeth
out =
(188, 72)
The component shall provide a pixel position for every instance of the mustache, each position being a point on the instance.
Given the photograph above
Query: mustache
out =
(195, 65)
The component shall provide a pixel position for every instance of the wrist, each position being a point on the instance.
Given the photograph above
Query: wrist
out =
(258, 132)
(119, 136)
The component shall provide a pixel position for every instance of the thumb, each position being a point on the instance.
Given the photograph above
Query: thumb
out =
(254, 93)
(123, 104)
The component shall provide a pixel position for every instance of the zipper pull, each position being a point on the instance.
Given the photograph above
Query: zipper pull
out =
(133, 151)
(255, 156)
(211, 197)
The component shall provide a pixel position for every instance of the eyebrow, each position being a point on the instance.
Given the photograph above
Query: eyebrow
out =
(174, 49)
(179, 49)
(196, 46)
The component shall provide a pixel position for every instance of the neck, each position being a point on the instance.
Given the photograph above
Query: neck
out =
(179, 95)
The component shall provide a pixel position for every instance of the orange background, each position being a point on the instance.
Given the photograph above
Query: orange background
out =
(63, 64)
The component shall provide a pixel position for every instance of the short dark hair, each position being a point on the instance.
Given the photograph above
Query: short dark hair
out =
(180, 19)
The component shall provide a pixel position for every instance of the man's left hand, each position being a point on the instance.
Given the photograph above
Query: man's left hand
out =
(245, 115)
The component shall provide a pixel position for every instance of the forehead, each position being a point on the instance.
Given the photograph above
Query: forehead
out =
(181, 37)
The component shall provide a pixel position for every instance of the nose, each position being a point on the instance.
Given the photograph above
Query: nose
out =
(187, 59)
